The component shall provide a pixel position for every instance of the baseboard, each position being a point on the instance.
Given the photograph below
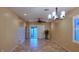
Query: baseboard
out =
(13, 48)
(63, 47)
(17, 46)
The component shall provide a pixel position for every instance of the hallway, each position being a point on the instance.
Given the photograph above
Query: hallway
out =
(42, 46)
(39, 29)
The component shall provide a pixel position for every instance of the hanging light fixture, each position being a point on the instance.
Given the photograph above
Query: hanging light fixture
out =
(49, 16)
(56, 14)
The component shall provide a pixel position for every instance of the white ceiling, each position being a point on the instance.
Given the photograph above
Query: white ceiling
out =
(33, 13)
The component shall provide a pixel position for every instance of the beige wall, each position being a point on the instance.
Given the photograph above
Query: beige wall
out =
(9, 24)
(62, 31)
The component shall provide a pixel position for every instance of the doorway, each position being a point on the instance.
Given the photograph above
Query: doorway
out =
(33, 37)
(21, 35)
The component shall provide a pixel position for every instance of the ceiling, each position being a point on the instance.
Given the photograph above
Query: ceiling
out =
(33, 13)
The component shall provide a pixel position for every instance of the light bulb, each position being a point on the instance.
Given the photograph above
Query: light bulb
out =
(62, 14)
(53, 14)
(49, 16)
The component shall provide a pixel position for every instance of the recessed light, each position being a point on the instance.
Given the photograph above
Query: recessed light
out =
(25, 14)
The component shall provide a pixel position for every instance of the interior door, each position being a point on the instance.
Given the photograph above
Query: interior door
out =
(21, 34)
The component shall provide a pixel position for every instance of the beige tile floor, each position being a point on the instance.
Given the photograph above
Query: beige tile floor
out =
(43, 46)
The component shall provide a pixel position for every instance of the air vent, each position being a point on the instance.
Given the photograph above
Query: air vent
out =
(46, 9)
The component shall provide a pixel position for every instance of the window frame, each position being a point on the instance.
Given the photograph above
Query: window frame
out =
(74, 40)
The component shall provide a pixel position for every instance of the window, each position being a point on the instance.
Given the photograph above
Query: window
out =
(76, 29)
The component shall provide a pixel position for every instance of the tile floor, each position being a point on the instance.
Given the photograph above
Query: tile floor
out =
(43, 46)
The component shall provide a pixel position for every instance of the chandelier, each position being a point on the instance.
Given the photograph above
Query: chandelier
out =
(56, 15)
